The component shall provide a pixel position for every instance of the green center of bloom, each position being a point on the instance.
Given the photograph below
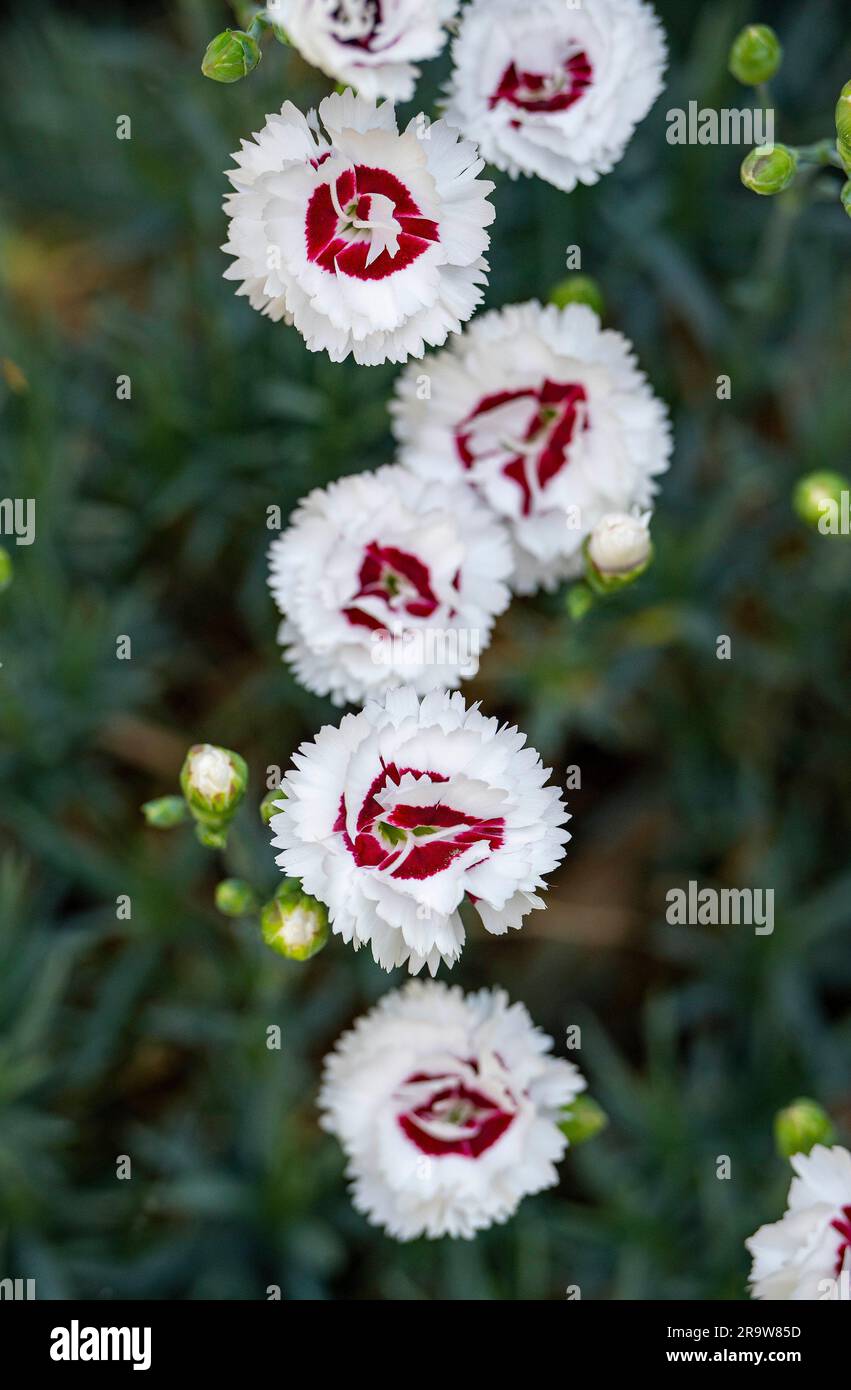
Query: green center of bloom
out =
(395, 834)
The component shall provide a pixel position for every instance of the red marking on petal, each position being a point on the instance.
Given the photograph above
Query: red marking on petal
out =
(475, 1111)
(843, 1226)
(519, 88)
(340, 248)
(419, 856)
(357, 618)
(369, 39)
(552, 424)
(382, 569)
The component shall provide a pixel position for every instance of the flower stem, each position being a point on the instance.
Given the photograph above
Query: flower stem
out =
(821, 152)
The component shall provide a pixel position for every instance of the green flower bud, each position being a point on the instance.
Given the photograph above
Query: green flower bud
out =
(579, 601)
(801, 1125)
(583, 1119)
(269, 807)
(231, 56)
(294, 924)
(7, 569)
(617, 552)
(213, 781)
(845, 197)
(236, 898)
(769, 169)
(756, 55)
(578, 289)
(165, 812)
(843, 127)
(816, 492)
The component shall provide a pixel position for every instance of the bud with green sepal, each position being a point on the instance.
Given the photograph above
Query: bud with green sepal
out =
(213, 781)
(845, 197)
(769, 169)
(578, 289)
(582, 1120)
(817, 493)
(232, 55)
(756, 55)
(843, 127)
(236, 898)
(579, 601)
(7, 569)
(269, 805)
(617, 552)
(800, 1126)
(166, 812)
(294, 924)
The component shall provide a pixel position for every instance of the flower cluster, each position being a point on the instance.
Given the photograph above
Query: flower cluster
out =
(371, 240)
(447, 1107)
(528, 451)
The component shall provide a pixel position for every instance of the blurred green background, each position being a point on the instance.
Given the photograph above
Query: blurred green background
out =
(147, 1037)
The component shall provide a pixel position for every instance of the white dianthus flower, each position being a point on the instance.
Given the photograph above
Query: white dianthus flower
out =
(368, 239)
(807, 1254)
(555, 89)
(386, 578)
(370, 44)
(549, 419)
(395, 816)
(447, 1107)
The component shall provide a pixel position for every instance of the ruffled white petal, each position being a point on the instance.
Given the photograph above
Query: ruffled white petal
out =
(807, 1254)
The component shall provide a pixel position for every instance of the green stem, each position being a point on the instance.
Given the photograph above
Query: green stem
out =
(821, 152)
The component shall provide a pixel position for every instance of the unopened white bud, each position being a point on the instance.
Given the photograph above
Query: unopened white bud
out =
(620, 544)
(210, 772)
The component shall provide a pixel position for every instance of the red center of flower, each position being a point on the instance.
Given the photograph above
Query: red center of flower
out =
(842, 1224)
(414, 841)
(453, 1118)
(545, 91)
(370, 203)
(555, 409)
(357, 26)
(394, 578)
